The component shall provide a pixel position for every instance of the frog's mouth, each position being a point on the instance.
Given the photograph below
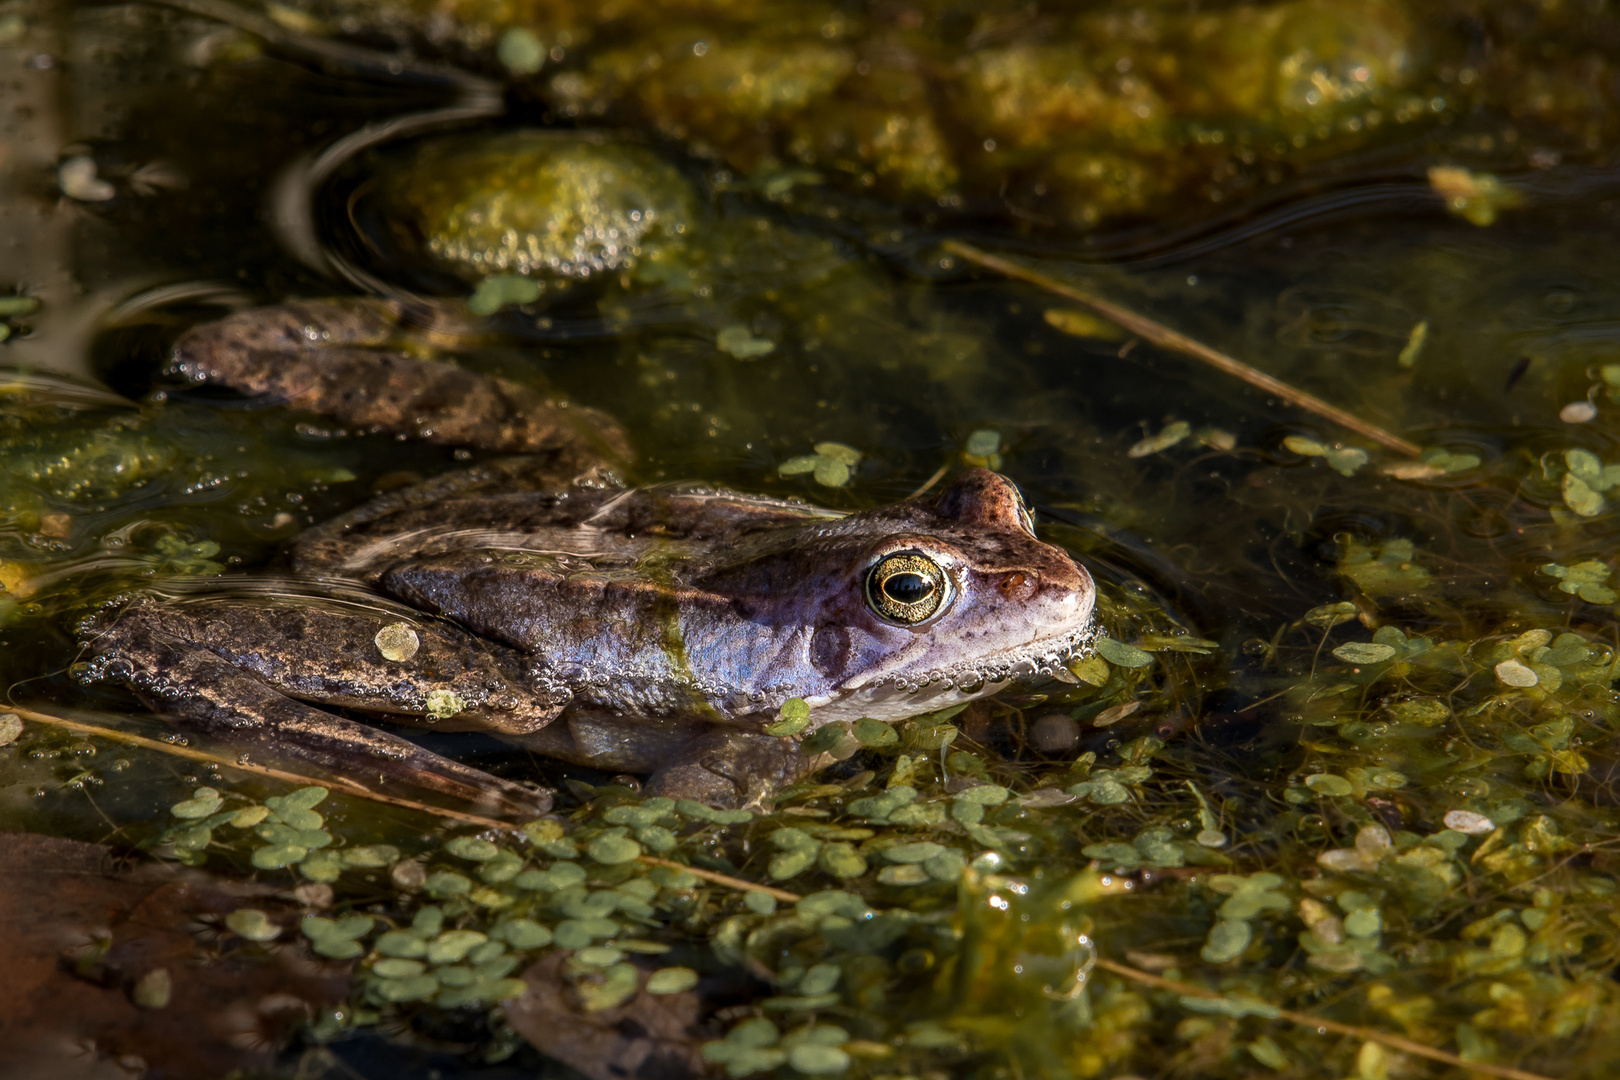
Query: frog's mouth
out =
(896, 696)
(1045, 659)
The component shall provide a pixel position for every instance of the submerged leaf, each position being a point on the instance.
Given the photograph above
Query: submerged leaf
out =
(1168, 437)
(1364, 652)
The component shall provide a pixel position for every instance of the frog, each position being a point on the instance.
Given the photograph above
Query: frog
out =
(653, 630)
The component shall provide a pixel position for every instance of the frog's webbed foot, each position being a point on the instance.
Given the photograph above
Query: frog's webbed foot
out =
(343, 359)
(730, 768)
(215, 665)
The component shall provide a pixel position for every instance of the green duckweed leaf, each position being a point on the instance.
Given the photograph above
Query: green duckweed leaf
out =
(276, 856)
(616, 986)
(252, 924)
(1364, 652)
(203, 802)
(472, 848)
(502, 290)
(1121, 655)
(794, 466)
(1513, 673)
(612, 850)
(1328, 784)
(875, 733)
(841, 860)
(447, 883)
(830, 473)
(912, 853)
(817, 1060)
(1268, 1053)
(740, 343)
(418, 988)
(1168, 436)
(1579, 496)
(321, 866)
(1227, 940)
(790, 864)
(399, 943)
(452, 945)
(846, 455)
(982, 443)
(249, 816)
(794, 718)
(671, 980)
(370, 856)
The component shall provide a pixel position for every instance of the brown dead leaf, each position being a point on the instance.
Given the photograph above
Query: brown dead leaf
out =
(649, 1037)
(83, 934)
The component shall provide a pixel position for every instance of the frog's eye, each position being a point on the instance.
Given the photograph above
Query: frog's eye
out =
(906, 589)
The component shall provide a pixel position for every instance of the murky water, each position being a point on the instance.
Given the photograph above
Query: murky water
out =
(1349, 752)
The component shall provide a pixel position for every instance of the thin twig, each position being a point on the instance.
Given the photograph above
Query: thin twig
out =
(723, 879)
(1306, 1020)
(340, 784)
(1167, 338)
(939, 474)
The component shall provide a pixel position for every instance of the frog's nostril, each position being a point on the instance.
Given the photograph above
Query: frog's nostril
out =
(1018, 585)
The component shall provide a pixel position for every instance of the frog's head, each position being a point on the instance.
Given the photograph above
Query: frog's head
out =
(935, 599)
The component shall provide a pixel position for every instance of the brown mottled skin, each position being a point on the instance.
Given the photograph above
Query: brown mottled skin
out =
(651, 630)
(347, 360)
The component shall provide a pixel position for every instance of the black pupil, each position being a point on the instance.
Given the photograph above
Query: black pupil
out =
(907, 588)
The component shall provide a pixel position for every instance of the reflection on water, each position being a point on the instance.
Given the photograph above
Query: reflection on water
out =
(1347, 750)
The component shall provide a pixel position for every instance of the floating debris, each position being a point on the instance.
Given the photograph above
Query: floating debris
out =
(832, 465)
(1414, 345)
(1082, 324)
(521, 51)
(78, 180)
(397, 642)
(739, 341)
(1344, 460)
(1475, 197)
(1168, 436)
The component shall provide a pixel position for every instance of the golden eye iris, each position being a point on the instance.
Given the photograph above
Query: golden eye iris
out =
(906, 589)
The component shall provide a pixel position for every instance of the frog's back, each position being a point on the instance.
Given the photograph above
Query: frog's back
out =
(525, 505)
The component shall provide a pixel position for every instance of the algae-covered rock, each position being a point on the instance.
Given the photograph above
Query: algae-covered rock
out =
(548, 204)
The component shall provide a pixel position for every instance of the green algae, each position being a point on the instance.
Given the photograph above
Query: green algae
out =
(1080, 116)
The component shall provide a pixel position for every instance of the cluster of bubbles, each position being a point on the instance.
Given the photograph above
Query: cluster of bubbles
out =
(595, 248)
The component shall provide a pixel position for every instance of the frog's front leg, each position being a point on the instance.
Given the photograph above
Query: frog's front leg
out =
(344, 359)
(733, 768)
(243, 670)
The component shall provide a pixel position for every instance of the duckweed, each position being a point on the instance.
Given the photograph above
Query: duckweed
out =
(671, 980)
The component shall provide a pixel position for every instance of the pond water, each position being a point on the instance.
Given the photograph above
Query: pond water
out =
(1335, 797)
